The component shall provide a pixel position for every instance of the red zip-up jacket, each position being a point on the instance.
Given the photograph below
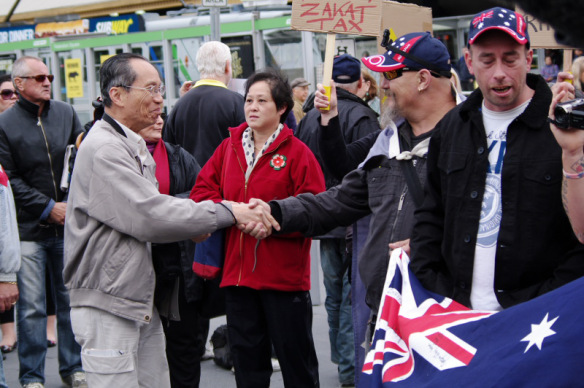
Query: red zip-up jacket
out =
(288, 168)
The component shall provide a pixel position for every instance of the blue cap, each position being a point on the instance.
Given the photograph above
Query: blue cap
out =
(346, 69)
(422, 50)
(499, 19)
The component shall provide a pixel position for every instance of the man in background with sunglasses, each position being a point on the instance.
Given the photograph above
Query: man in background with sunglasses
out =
(491, 232)
(34, 134)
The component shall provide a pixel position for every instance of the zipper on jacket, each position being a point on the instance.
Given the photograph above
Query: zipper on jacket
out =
(245, 197)
(40, 124)
(399, 208)
(240, 233)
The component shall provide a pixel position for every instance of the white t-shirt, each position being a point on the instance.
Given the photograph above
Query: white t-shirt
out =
(482, 296)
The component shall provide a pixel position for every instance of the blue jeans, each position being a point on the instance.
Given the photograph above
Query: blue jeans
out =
(38, 257)
(335, 265)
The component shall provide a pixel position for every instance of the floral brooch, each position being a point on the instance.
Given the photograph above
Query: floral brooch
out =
(278, 162)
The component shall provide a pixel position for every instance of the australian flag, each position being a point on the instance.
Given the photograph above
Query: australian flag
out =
(425, 340)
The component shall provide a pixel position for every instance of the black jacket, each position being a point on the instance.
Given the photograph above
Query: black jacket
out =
(174, 259)
(356, 119)
(200, 120)
(32, 151)
(536, 248)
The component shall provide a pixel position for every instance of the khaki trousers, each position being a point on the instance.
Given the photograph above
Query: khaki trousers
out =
(118, 352)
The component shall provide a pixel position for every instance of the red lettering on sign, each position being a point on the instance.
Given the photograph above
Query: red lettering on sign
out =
(309, 12)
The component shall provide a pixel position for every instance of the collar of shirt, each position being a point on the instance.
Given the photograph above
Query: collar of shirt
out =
(210, 82)
(248, 143)
(135, 138)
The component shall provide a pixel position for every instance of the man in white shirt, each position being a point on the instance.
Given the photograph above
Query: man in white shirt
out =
(491, 232)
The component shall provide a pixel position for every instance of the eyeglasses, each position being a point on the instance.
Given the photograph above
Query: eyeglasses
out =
(7, 94)
(393, 74)
(152, 89)
(41, 77)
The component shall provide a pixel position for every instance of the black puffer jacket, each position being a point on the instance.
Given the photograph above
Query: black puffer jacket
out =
(32, 151)
(170, 260)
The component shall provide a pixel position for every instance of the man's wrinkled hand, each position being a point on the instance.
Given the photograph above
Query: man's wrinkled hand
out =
(254, 219)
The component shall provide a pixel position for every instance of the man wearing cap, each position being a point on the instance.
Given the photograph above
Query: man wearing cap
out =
(420, 87)
(356, 119)
(491, 232)
(299, 92)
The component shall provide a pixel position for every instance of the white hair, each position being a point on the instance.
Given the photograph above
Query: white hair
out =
(212, 58)
(351, 87)
(21, 68)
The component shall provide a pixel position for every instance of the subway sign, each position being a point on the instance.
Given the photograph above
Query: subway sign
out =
(117, 25)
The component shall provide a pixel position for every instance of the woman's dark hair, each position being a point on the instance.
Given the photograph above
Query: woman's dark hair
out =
(5, 78)
(279, 87)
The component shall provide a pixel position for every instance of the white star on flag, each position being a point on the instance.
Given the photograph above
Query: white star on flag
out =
(539, 333)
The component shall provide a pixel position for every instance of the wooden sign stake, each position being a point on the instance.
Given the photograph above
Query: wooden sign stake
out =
(329, 56)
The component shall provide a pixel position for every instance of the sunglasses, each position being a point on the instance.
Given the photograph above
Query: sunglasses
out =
(41, 77)
(393, 74)
(7, 94)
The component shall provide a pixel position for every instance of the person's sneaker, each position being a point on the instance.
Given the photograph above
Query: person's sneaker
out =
(76, 380)
(276, 365)
(33, 385)
(208, 355)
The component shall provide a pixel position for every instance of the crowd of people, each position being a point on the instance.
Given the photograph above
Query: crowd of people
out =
(482, 193)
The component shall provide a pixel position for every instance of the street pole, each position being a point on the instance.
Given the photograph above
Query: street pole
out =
(215, 11)
(215, 24)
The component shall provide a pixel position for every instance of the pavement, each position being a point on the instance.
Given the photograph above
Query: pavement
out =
(212, 375)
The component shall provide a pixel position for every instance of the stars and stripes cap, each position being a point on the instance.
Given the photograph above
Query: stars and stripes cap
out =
(502, 19)
(416, 50)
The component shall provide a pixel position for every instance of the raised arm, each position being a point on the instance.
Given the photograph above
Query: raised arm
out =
(572, 142)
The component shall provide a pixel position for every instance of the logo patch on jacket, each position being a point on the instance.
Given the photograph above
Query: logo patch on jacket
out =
(278, 162)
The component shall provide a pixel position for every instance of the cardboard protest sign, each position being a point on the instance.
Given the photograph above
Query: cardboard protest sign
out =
(541, 35)
(403, 18)
(360, 17)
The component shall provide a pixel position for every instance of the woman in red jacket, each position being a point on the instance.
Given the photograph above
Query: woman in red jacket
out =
(267, 282)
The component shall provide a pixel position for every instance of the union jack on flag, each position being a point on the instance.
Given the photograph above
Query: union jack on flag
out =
(481, 18)
(425, 340)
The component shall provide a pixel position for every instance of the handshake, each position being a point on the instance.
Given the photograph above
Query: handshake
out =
(254, 218)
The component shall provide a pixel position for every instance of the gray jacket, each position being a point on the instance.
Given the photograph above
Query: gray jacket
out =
(113, 213)
(9, 242)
